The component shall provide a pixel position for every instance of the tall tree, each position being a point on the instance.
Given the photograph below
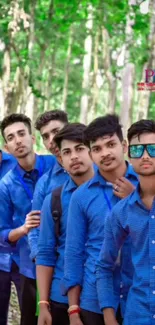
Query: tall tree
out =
(86, 67)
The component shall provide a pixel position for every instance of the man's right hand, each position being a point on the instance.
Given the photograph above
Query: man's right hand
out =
(32, 220)
(75, 319)
(45, 317)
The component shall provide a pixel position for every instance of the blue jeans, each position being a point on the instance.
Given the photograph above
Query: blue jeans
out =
(5, 290)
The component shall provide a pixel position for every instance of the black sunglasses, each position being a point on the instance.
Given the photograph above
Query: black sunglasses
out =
(137, 150)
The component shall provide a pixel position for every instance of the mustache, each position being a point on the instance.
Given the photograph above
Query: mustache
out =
(19, 147)
(107, 159)
(146, 162)
(76, 163)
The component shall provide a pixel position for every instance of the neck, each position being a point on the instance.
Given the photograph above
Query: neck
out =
(116, 173)
(28, 162)
(59, 160)
(147, 185)
(79, 180)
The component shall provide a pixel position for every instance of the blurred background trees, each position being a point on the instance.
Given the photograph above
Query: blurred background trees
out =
(84, 57)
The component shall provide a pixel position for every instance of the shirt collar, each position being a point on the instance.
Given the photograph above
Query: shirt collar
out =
(6, 156)
(98, 178)
(57, 168)
(135, 195)
(70, 185)
(130, 171)
(36, 166)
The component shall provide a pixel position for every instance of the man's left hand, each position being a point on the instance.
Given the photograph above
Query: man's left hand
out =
(123, 187)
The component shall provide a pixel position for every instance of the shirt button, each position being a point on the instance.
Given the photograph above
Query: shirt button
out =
(153, 316)
(153, 241)
(121, 296)
(153, 267)
(153, 292)
(152, 217)
(121, 285)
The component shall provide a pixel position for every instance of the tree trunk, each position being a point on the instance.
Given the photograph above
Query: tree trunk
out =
(86, 67)
(144, 96)
(95, 89)
(127, 96)
(112, 83)
(31, 103)
(128, 72)
(48, 84)
(66, 72)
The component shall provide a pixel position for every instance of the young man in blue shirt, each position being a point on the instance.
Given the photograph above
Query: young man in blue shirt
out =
(89, 207)
(48, 124)
(16, 196)
(9, 271)
(50, 258)
(134, 216)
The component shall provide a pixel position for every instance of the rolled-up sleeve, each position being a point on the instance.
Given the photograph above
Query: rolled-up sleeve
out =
(38, 199)
(6, 214)
(114, 236)
(46, 254)
(75, 245)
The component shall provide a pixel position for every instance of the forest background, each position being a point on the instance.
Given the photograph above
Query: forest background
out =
(84, 57)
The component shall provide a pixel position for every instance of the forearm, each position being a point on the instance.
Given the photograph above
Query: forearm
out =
(16, 234)
(74, 295)
(109, 316)
(44, 280)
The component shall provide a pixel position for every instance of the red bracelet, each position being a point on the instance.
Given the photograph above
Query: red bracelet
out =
(75, 311)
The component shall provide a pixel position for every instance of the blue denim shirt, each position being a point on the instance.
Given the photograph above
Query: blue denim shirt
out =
(89, 207)
(15, 203)
(7, 163)
(130, 217)
(47, 253)
(55, 177)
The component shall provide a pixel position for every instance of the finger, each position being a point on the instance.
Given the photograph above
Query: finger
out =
(124, 180)
(119, 194)
(32, 222)
(119, 182)
(34, 212)
(35, 217)
(31, 218)
(32, 226)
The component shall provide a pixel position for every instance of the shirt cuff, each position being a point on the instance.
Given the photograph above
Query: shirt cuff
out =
(68, 284)
(45, 257)
(4, 235)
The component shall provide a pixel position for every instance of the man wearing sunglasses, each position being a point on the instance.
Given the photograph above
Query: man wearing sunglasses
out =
(134, 216)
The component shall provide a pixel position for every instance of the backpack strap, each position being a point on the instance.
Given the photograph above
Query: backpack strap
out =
(56, 209)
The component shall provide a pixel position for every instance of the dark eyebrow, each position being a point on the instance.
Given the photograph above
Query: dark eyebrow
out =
(46, 133)
(43, 134)
(14, 133)
(112, 140)
(95, 146)
(65, 149)
(77, 146)
(98, 145)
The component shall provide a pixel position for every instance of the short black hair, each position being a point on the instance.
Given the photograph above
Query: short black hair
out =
(102, 126)
(55, 115)
(14, 118)
(73, 132)
(140, 127)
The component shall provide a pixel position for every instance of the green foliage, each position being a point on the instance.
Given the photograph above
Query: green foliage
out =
(46, 58)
